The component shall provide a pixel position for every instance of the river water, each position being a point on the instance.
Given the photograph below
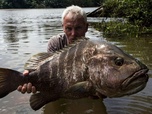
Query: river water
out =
(25, 32)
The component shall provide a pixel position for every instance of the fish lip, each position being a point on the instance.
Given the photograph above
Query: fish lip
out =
(140, 74)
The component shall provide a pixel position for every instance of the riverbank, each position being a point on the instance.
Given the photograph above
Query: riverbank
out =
(137, 15)
(121, 29)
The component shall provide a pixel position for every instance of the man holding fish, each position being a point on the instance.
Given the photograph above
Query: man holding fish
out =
(84, 68)
(74, 23)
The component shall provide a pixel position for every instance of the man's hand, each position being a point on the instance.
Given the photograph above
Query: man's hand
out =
(26, 87)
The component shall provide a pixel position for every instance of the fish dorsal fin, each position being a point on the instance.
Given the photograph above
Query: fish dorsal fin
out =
(75, 42)
(79, 39)
(37, 60)
(40, 58)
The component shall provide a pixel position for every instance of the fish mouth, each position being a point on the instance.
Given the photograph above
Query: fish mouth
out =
(135, 82)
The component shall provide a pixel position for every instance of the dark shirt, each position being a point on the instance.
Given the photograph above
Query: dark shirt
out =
(57, 42)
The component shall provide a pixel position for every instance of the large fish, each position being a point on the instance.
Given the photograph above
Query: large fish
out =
(88, 68)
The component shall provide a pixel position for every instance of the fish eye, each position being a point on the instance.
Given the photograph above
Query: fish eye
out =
(119, 61)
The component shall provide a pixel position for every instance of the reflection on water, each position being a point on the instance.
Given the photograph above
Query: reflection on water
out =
(140, 103)
(26, 32)
(81, 106)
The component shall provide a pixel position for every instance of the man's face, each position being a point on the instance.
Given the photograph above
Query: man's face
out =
(74, 26)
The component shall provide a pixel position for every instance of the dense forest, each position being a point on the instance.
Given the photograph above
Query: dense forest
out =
(48, 3)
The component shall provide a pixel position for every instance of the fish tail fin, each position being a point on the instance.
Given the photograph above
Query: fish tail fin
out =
(9, 81)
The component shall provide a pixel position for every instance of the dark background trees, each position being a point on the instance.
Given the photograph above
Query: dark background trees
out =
(48, 3)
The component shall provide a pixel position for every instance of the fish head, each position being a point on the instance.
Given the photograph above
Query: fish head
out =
(115, 73)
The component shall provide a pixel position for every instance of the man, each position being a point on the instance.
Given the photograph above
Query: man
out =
(74, 23)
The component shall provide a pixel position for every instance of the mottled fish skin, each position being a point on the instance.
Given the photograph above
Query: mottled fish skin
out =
(62, 70)
(87, 68)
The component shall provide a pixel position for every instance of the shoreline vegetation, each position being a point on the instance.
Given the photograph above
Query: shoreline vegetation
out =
(137, 14)
(137, 17)
(119, 29)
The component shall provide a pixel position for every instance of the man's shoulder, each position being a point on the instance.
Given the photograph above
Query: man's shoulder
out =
(57, 42)
(58, 36)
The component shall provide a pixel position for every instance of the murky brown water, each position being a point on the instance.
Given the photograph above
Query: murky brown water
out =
(26, 32)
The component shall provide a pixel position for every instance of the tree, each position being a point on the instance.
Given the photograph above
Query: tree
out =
(136, 11)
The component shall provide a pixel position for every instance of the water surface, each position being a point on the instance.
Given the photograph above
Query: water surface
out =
(25, 32)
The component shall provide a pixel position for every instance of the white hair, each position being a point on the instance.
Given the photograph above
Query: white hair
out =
(75, 10)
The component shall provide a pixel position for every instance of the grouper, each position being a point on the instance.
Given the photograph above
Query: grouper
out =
(85, 68)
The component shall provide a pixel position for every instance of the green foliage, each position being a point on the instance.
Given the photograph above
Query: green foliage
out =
(112, 8)
(137, 15)
(121, 29)
(138, 12)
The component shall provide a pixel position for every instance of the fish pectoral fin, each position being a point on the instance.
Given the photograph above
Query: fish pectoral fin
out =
(38, 100)
(36, 60)
(80, 90)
